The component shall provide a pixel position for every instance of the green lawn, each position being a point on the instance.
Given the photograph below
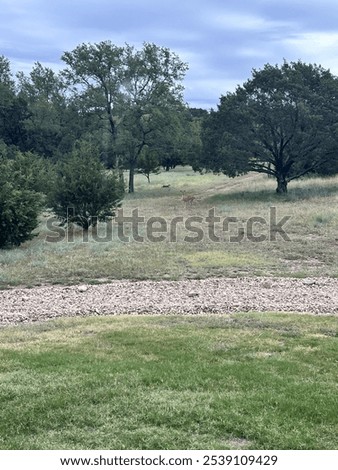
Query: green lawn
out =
(253, 381)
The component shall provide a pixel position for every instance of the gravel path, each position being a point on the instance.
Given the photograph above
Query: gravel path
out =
(224, 295)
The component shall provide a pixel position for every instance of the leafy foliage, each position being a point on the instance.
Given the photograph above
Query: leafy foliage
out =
(20, 203)
(121, 99)
(13, 109)
(51, 118)
(282, 122)
(148, 163)
(84, 191)
(32, 172)
(130, 89)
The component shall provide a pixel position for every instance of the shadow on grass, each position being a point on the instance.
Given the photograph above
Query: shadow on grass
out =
(266, 195)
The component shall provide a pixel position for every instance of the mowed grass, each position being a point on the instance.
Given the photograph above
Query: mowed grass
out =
(186, 244)
(253, 381)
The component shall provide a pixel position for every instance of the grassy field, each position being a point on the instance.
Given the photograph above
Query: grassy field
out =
(243, 381)
(253, 381)
(311, 250)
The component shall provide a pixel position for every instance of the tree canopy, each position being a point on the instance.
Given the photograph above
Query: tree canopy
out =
(132, 88)
(281, 122)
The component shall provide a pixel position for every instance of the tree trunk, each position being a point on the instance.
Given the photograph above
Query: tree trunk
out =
(116, 158)
(119, 170)
(131, 179)
(121, 178)
(282, 185)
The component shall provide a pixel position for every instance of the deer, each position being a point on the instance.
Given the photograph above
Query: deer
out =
(187, 199)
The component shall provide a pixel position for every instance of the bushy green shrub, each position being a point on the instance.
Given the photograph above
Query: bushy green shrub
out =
(27, 170)
(33, 172)
(85, 191)
(19, 206)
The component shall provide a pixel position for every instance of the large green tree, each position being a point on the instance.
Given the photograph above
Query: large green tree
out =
(152, 89)
(281, 122)
(129, 90)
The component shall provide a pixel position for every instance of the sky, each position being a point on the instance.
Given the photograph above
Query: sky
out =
(221, 40)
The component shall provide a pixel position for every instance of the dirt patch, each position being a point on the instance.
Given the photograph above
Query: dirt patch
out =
(221, 295)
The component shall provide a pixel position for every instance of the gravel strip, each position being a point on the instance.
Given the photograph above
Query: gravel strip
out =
(225, 295)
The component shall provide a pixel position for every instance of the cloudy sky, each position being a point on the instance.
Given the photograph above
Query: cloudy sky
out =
(222, 40)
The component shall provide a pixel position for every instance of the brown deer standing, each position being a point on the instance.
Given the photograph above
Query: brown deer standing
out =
(187, 199)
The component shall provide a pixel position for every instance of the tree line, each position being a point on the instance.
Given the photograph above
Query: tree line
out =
(118, 108)
(128, 103)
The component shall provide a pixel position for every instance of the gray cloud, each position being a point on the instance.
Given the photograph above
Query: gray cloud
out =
(221, 40)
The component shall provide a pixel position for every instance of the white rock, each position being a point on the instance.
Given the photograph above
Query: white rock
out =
(82, 288)
(193, 294)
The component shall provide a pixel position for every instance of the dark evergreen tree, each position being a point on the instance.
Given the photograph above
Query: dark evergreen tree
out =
(20, 201)
(85, 191)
